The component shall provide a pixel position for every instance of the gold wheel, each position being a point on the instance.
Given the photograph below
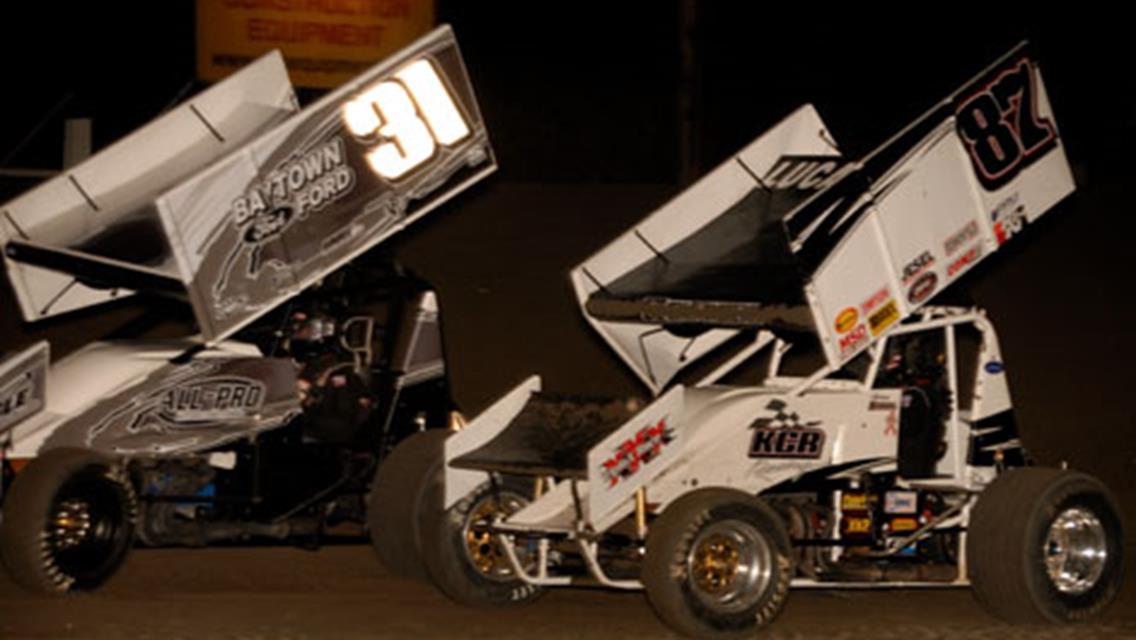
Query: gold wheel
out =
(483, 549)
(730, 565)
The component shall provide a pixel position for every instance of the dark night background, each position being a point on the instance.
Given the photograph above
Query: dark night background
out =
(583, 105)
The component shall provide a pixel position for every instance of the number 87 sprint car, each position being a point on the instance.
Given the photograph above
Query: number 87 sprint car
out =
(894, 462)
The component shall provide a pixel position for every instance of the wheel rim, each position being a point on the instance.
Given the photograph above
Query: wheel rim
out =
(1076, 551)
(730, 565)
(86, 529)
(482, 548)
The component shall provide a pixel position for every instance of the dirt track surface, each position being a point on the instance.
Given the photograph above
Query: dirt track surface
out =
(342, 592)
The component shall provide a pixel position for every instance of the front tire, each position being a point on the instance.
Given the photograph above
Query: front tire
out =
(718, 564)
(464, 560)
(68, 522)
(1045, 546)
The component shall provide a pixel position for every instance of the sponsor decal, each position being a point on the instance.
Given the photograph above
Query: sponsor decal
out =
(191, 398)
(875, 300)
(854, 502)
(881, 404)
(965, 260)
(1010, 225)
(16, 397)
(923, 288)
(891, 425)
(901, 502)
(846, 319)
(968, 232)
(811, 173)
(218, 398)
(785, 436)
(883, 318)
(194, 404)
(857, 526)
(637, 451)
(1011, 205)
(994, 367)
(855, 339)
(920, 264)
(904, 524)
(302, 184)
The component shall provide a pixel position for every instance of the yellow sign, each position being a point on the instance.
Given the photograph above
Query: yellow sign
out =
(325, 42)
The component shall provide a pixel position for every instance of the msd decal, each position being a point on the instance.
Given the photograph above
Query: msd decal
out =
(853, 340)
(635, 452)
(785, 436)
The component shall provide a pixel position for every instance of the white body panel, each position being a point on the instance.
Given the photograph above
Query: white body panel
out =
(97, 371)
(483, 428)
(641, 449)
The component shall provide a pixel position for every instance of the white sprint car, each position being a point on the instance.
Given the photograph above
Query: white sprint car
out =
(880, 449)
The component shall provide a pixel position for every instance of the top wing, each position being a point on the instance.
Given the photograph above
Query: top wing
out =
(290, 204)
(929, 204)
(98, 218)
(787, 235)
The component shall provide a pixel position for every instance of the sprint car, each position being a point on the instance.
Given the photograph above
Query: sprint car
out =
(314, 357)
(879, 447)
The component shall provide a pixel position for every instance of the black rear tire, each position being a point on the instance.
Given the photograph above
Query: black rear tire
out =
(718, 564)
(466, 564)
(1019, 543)
(68, 521)
(402, 492)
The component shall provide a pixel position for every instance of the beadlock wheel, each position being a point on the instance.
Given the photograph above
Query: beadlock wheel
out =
(1076, 551)
(68, 522)
(482, 547)
(718, 564)
(730, 564)
(1045, 546)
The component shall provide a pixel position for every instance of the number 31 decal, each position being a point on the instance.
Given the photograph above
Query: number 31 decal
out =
(408, 116)
(1001, 127)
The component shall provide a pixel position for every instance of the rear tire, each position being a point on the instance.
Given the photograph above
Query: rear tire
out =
(401, 494)
(718, 564)
(467, 564)
(1045, 546)
(68, 521)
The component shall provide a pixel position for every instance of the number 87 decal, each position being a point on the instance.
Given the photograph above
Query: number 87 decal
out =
(1002, 128)
(409, 116)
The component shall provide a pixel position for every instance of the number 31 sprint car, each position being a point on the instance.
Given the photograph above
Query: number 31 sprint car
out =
(313, 359)
(894, 462)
